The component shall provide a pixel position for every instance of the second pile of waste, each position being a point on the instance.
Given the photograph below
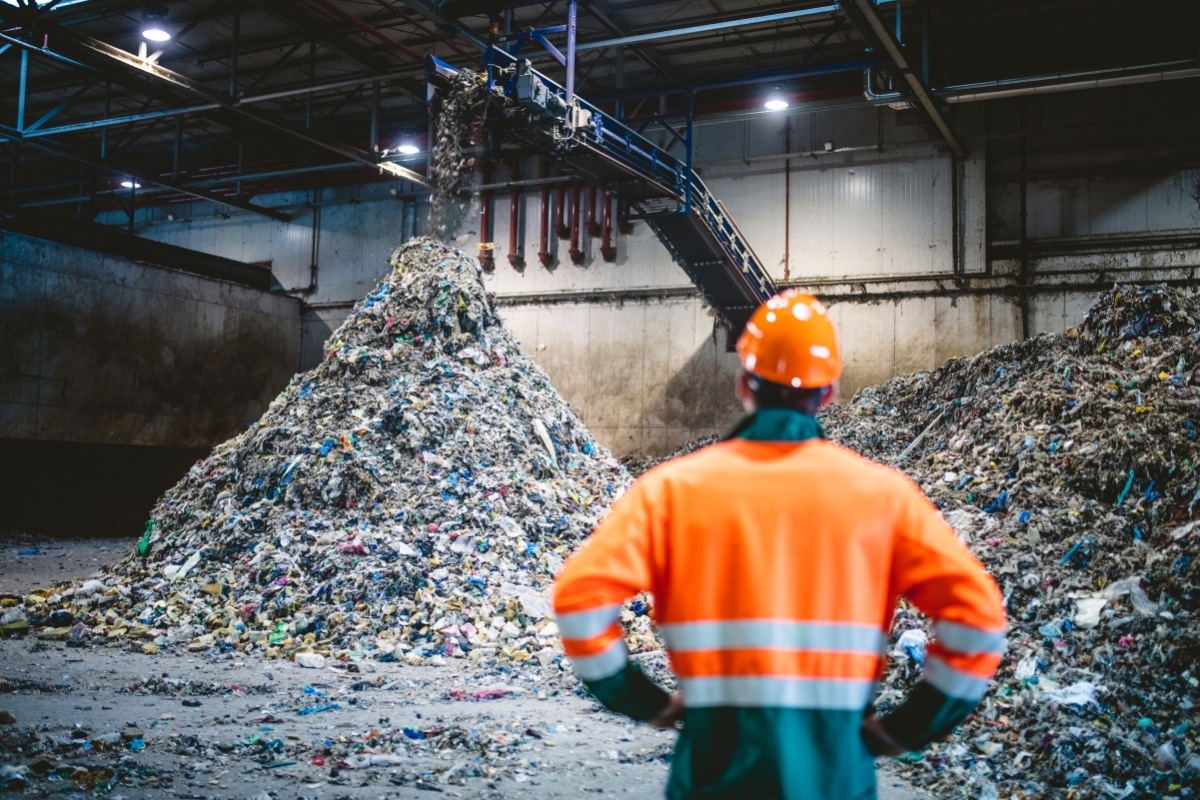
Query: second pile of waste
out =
(411, 498)
(1068, 465)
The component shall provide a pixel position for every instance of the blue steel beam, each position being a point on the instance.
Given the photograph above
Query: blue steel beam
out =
(679, 33)
(572, 49)
(196, 109)
(746, 80)
(52, 112)
(21, 90)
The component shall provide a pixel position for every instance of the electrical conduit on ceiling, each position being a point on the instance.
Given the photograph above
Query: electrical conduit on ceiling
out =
(1046, 84)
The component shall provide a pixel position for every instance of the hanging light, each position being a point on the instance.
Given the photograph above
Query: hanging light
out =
(776, 100)
(154, 28)
(131, 184)
(408, 149)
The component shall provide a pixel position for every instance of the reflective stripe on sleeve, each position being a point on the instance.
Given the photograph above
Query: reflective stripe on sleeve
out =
(953, 682)
(968, 640)
(586, 624)
(776, 692)
(605, 664)
(772, 634)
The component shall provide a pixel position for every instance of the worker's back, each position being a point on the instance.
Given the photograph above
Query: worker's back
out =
(775, 568)
(773, 598)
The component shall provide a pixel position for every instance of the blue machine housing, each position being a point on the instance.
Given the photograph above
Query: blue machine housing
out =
(530, 113)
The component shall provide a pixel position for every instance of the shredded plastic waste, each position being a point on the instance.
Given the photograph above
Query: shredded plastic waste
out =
(1068, 464)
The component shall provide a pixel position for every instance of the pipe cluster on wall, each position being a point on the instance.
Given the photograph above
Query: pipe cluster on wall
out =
(576, 210)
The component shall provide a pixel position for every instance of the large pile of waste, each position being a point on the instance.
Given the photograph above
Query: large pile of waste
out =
(410, 498)
(1068, 464)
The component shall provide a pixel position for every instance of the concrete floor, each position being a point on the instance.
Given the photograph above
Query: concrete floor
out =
(198, 750)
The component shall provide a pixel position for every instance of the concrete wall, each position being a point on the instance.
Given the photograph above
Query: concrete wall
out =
(919, 255)
(99, 349)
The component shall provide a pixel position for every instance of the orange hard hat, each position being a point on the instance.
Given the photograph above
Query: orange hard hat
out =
(790, 340)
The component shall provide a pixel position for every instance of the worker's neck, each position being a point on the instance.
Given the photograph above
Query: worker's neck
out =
(777, 425)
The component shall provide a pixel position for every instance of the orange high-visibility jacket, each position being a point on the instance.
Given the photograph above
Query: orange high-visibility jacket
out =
(775, 569)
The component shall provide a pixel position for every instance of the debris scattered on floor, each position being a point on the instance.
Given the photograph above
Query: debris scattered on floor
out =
(464, 730)
(409, 499)
(1068, 464)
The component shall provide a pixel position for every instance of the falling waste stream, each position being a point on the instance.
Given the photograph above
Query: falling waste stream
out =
(412, 497)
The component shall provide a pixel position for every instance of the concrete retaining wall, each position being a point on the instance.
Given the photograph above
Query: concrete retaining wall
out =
(104, 350)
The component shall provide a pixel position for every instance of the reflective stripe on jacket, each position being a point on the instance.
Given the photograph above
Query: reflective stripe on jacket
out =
(775, 568)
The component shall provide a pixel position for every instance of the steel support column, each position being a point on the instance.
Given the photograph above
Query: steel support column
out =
(374, 133)
(571, 50)
(22, 90)
(865, 16)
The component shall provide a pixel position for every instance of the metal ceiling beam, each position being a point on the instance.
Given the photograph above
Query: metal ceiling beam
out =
(369, 30)
(105, 55)
(679, 33)
(202, 107)
(865, 16)
(744, 80)
(138, 176)
(646, 55)
(431, 11)
(286, 13)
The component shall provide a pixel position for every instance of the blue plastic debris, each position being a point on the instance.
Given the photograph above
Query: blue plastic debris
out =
(1125, 492)
(999, 504)
(304, 712)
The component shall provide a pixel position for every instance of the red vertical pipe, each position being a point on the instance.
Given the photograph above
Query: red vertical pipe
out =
(544, 229)
(576, 253)
(607, 251)
(487, 256)
(560, 212)
(593, 227)
(516, 259)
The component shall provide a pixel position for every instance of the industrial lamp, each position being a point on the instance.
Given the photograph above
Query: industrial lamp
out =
(131, 185)
(408, 149)
(776, 100)
(154, 28)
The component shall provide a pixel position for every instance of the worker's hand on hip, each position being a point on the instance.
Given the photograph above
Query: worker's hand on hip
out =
(670, 717)
(878, 740)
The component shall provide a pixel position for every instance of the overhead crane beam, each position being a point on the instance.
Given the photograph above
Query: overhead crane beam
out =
(865, 16)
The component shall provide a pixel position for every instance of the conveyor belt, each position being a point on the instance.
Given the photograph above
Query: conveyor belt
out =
(529, 112)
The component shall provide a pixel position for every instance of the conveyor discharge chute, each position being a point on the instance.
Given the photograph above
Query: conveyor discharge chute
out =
(528, 112)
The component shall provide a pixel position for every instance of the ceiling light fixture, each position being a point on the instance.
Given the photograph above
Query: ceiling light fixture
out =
(154, 29)
(408, 149)
(131, 185)
(776, 100)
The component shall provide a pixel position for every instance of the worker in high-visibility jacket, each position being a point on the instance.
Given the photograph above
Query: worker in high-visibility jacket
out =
(776, 560)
